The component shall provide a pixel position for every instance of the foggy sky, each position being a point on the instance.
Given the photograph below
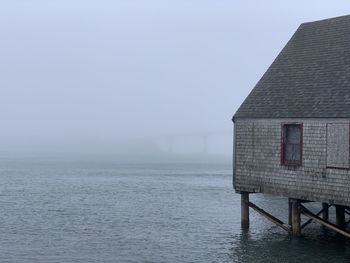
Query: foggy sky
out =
(88, 71)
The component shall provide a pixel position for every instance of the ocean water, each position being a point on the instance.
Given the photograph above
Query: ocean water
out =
(134, 211)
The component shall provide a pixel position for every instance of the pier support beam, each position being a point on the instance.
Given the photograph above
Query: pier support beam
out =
(289, 211)
(340, 216)
(296, 228)
(245, 210)
(325, 213)
(319, 220)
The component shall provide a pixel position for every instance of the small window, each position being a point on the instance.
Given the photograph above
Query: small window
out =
(292, 140)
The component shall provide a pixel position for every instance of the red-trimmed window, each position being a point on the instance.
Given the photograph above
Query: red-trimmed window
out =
(292, 144)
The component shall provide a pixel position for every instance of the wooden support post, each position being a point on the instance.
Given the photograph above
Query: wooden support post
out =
(340, 216)
(324, 208)
(296, 228)
(325, 213)
(245, 209)
(334, 227)
(289, 212)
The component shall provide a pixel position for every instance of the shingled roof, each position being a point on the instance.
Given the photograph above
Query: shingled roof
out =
(310, 78)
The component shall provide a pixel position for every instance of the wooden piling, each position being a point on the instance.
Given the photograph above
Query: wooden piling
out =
(340, 216)
(245, 209)
(324, 208)
(319, 220)
(325, 213)
(296, 228)
(289, 212)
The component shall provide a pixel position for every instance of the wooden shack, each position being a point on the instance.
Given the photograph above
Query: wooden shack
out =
(292, 133)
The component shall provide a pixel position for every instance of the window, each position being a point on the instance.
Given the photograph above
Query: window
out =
(338, 145)
(292, 144)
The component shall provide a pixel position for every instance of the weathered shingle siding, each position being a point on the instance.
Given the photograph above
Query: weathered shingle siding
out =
(258, 162)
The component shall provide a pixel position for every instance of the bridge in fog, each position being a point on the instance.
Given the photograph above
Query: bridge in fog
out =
(197, 141)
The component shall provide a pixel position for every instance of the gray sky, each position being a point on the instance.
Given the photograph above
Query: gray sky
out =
(103, 70)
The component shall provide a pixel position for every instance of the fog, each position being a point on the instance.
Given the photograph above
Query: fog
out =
(124, 75)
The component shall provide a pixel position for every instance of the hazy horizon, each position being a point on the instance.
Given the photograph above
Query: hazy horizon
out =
(94, 75)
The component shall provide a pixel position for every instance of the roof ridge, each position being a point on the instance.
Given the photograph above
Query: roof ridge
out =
(327, 19)
(309, 78)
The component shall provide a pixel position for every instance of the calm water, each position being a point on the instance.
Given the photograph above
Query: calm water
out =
(89, 211)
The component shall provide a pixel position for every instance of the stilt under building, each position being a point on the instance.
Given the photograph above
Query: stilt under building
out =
(296, 209)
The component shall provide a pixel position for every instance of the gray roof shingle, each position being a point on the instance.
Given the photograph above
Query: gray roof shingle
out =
(310, 78)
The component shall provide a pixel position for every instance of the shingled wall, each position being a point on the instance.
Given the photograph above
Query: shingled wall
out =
(258, 162)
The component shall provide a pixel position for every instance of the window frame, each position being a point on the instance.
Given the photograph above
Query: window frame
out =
(283, 145)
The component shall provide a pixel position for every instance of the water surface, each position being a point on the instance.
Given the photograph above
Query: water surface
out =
(154, 211)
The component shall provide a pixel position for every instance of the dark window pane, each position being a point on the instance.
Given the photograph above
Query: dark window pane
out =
(292, 152)
(293, 134)
(292, 144)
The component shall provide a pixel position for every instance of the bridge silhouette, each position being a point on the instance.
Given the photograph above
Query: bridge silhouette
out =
(169, 141)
